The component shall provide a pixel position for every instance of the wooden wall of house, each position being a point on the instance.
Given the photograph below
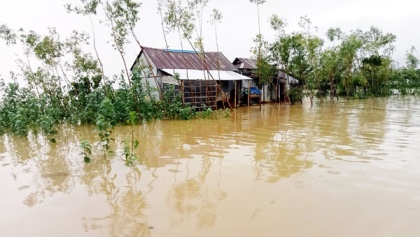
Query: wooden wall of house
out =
(199, 92)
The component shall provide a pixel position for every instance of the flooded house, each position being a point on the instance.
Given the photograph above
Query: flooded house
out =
(248, 67)
(207, 78)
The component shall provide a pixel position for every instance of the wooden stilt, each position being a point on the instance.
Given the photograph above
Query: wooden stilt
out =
(249, 92)
(234, 100)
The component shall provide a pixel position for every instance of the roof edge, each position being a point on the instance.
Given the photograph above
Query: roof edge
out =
(180, 50)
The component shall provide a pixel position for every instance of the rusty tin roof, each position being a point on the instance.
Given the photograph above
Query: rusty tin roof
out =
(183, 59)
(245, 63)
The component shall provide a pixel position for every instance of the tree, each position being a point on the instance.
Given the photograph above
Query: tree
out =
(376, 63)
(197, 11)
(258, 3)
(412, 62)
(348, 52)
(215, 18)
(121, 18)
(330, 67)
(280, 50)
(376, 69)
(89, 9)
(375, 42)
(313, 46)
(7, 35)
(265, 70)
(259, 38)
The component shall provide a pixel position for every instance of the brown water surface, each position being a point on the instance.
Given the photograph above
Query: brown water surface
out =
(346, 169)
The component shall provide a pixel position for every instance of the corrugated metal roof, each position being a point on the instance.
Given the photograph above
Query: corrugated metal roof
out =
(182, 59)
(204, 75)
(245, 63)
(249, 63)
(292, 79)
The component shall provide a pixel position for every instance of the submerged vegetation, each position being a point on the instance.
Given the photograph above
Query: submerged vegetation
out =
(60, 82)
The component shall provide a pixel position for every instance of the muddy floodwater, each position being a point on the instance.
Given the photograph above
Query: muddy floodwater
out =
(346, 169)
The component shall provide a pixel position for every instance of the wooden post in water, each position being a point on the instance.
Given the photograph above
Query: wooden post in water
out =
(183, 92)
(234, 100)
(249, 92)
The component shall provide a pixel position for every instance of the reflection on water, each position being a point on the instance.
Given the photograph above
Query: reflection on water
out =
(346, 169)
(126, 204)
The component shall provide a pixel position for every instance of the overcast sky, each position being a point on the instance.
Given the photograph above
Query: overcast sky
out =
(238, 27)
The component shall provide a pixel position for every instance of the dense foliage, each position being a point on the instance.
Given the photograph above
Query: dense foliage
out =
(355, 65)
(22, 109)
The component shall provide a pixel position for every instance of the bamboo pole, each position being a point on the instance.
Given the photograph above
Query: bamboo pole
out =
(249, 92)
(234, 100)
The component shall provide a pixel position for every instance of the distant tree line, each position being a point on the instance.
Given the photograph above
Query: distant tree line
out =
(357, 64)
